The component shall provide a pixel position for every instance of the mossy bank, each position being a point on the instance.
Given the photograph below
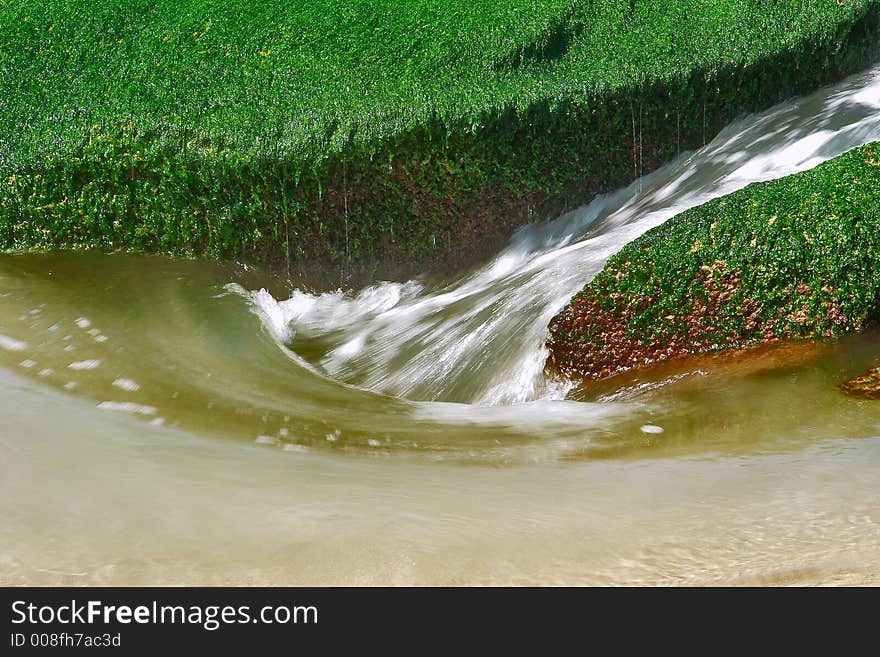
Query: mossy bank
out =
(348, 141)
(792, 259)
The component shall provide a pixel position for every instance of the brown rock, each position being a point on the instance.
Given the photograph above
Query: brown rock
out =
(865, 386)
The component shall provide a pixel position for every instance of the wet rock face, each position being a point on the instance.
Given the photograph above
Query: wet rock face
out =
(792, 259)
(865, 386)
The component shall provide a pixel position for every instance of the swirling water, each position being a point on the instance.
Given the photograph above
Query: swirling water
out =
(169, 421)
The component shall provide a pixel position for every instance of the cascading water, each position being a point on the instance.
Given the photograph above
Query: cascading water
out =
(479, 340)
(170, 422)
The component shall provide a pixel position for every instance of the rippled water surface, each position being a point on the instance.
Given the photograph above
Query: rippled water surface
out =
(170, 422)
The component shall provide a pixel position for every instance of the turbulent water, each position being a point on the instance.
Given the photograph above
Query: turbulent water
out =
(171, 421)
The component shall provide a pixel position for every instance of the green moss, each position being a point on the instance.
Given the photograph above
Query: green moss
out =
(795, 258)
(350, 133)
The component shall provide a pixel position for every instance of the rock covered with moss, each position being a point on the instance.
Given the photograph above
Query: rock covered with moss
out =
(792, 259)
(373, 139)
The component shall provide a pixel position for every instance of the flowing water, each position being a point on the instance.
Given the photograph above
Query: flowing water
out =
(178, 422)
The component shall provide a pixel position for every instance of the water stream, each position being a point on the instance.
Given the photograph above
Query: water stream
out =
(177, 422)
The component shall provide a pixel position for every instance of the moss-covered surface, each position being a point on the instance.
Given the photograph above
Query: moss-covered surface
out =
(791, 259)
(300, 136)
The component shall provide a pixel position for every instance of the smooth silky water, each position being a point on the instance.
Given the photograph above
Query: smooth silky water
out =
(179, 422)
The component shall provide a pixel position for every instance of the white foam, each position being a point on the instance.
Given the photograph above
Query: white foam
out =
(127, 384)
(290, 447)
(84, 364)
(651, 428)
(83, 323)
(266, 440)
(27, 364)
(11, 344)
(530, 418)
(45, 372)
(127, 407)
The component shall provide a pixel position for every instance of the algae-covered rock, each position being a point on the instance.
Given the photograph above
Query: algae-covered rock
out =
(344, 142)
(791, 259)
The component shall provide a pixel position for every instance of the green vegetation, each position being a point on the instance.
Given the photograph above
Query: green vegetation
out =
(369, 129)
(795, 258)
